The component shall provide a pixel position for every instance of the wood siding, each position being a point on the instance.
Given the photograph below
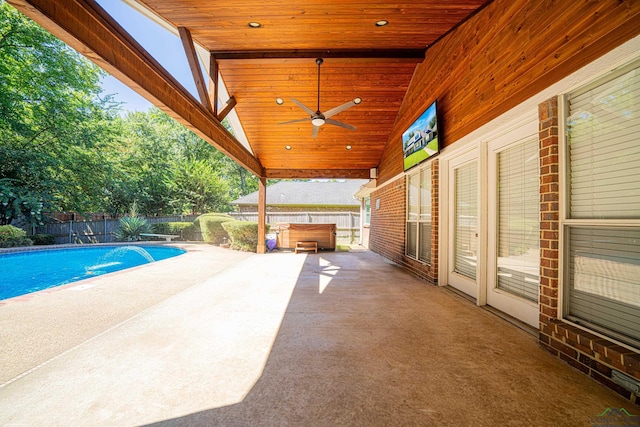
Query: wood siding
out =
(503, 55)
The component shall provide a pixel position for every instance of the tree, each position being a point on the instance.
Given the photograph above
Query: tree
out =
(53, 125)
(145, 155)
(196, 188)
(64, 146)
(16, 202)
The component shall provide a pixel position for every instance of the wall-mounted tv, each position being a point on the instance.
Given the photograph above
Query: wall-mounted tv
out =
(420, 140)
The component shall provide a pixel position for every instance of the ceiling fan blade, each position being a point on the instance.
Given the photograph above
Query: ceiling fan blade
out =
(337, 123)
(304, 107)
(308, 119)
(315, 131)
(339, 109)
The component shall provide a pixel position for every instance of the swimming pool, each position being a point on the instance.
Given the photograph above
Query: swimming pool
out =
(30, 271)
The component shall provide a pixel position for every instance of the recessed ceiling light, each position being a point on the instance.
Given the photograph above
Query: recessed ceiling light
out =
(382, 23)
(254, 24)
(357, 101)
(348, 147)
(279, 101)
(287, 147)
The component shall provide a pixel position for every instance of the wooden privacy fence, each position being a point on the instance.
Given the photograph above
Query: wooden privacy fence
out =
(347, 223)
(101, 231)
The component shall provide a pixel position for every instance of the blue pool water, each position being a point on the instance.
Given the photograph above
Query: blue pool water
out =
(30, 271)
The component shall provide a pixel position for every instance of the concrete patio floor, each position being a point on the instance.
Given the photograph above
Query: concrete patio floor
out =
(217, 337)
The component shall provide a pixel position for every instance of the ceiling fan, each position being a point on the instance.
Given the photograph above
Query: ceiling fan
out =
(319, 118)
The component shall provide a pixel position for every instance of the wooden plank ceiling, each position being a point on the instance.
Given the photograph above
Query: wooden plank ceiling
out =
(277, 60)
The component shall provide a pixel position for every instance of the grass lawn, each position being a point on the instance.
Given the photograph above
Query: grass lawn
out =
(418, 156)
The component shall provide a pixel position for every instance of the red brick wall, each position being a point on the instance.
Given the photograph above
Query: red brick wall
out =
(587, 352)
(387, 232)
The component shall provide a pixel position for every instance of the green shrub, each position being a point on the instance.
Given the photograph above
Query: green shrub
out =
(9, 231)
(243, 234)
(43, 239)
(203, 217)
(161, 228)
(11, 236)
(211, 227)
(186, 230)
(131, 227)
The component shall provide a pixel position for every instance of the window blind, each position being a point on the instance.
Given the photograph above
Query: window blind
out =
(519, 220)
(603, 146)
(604, 277)
(604, 149)
(425, 195)
(424, 251)
(425, 242)
(413, 209)
(418, 238)
(466, 219)
(412, 239)
(413, 202)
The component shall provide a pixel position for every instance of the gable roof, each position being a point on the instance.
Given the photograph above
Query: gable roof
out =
(308, 193)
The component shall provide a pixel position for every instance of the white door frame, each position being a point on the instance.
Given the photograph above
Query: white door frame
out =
(450, 164)
(515, 306)
(483, 150)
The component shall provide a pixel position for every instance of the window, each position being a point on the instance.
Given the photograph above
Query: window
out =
(466, 220)
(367, 210)
(602, 227)
(418, 242)
(518, 262)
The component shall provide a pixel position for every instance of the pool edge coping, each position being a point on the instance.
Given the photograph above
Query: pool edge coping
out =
(28, 296)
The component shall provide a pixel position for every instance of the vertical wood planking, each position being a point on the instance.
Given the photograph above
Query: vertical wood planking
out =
(503, 55)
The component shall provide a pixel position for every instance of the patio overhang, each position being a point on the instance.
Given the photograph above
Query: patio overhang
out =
(370, 53)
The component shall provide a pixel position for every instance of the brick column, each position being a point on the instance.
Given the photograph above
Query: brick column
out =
(435, 180)
(549, 215)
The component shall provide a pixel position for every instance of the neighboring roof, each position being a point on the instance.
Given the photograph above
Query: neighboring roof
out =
(308, 193)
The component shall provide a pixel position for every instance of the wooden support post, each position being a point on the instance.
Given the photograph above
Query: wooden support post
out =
(262, 210)
(194, 64)
(213, 82)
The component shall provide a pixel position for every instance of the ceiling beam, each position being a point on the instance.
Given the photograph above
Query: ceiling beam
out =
(317, 173)
(227, 109)
(86, 27)
(194, 65)
(413, 55)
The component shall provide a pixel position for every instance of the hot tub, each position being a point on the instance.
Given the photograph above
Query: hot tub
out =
(290, 233)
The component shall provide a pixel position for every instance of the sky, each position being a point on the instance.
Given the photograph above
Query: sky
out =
(164, 46)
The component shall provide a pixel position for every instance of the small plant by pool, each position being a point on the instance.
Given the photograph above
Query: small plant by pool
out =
(31, 271)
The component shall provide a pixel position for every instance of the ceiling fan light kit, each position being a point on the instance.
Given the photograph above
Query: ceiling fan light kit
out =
(317, 121)
(318, 118)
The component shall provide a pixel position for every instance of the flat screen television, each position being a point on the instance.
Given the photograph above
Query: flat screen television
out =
(420, 141)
